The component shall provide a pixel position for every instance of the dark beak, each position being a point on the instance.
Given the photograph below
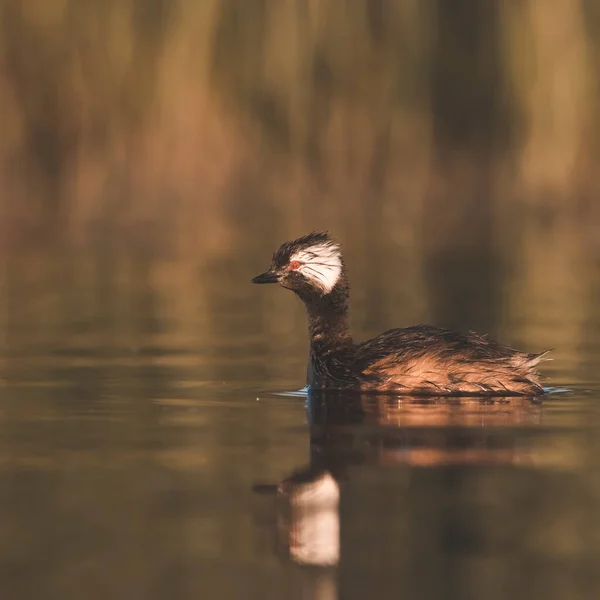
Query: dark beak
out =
(268, 277)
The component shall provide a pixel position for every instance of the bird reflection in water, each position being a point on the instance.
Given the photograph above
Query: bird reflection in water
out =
(308, 522)
(354, 431)
(434, 431)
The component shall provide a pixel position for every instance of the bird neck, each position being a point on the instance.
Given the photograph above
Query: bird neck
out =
(328, 319)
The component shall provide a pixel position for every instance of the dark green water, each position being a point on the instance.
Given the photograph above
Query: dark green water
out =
(142, 433)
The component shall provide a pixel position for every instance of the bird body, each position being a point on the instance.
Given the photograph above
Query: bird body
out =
(418, 360)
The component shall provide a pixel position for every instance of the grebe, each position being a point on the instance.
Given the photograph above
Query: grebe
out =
(419, 360)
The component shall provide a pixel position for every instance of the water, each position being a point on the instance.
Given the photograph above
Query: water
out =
(145, 427)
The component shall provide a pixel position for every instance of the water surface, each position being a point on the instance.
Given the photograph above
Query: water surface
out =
(143, 434)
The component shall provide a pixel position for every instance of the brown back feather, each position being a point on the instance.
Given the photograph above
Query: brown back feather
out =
(430, 360)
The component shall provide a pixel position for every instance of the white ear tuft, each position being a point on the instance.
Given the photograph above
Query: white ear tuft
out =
(321, 264)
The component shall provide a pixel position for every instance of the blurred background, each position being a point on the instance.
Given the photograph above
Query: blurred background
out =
(189, 124)
(136, 115)
(153, 155)
(452, 145)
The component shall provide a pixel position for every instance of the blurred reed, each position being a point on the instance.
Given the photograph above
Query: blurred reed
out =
(185, 122)
(452, 143)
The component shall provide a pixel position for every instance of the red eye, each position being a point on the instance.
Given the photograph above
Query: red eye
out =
(294, 265)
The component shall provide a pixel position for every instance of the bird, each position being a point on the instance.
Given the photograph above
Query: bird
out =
(420, 360)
